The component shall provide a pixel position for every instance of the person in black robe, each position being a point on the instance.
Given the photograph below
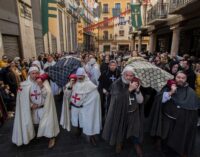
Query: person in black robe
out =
(174, 116)
(105, 81)
(125, 114)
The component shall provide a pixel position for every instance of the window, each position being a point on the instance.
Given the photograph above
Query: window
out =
(117, 9)
(117, 5)
(105, 8)
(105, 18)
(121, 20)
(110, 36)
(121, 33)
(105, 35)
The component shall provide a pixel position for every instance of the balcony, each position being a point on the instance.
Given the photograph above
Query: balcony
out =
(157, 14)
(183, 6)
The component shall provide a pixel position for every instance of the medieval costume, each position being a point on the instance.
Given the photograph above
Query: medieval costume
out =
(125, 115)
(65, 120)
(105, 81)
(174, 118)
(85, 105)
(45, 115)
(93, 71)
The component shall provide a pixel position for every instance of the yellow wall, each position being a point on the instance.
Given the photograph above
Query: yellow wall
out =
(111, 4)
(53, 27)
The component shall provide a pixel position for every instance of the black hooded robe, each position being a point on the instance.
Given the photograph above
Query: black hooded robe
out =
(178, 133)
(121, 124)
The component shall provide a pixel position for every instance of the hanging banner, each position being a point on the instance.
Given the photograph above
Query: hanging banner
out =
(136, 15)
(80, 33)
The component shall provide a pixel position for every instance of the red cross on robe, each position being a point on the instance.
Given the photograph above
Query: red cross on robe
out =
(35, 94)
(75, 97)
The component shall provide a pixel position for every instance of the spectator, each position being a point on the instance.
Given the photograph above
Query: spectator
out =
(191, 77)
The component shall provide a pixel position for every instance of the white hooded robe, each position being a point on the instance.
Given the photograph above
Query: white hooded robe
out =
(65, 120)
(23, 130)
(87, 117)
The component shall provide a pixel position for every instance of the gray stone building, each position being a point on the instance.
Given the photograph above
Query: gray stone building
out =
(175, 26)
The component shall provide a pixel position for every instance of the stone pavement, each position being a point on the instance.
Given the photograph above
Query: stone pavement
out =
(68, 145)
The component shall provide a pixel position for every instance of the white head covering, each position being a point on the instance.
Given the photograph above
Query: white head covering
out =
(81, 72)
(92, 61)
(33, 69)
(128, 68)
(37, 63)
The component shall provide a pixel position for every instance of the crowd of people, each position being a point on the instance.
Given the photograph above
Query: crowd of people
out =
(104, 96)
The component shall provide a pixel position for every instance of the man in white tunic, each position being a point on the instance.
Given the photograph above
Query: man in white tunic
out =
(35, 105)
(85, 106)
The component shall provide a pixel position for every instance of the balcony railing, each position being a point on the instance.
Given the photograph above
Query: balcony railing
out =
(157, 13)
(177, 4)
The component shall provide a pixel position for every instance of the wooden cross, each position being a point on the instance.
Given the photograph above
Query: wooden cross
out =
(75, 97)
(35, 94)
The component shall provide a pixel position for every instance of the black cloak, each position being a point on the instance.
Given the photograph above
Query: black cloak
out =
(178, 132)
(120, 123)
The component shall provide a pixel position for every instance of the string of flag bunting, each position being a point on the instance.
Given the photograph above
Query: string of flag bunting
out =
(101, 25)
(136, 19)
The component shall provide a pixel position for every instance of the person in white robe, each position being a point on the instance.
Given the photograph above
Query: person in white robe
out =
(55, 88)
(65, 120)
(37, 64)
(35, 105)
(85, 106)
(93, 71)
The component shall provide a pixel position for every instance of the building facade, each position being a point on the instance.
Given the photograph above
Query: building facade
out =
(22, 27)
(117, 34)
(62, 32)
(17, 36)
(175, 26)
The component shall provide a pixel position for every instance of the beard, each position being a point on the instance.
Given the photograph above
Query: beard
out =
(125, 81)
(181, 84)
